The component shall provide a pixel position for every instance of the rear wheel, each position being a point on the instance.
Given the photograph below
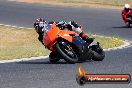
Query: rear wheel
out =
(66, 51)
(98, 54)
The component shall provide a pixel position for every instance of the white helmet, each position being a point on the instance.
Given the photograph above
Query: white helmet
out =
(127, 6)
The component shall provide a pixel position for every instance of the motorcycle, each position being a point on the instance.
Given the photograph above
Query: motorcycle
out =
(68, 45)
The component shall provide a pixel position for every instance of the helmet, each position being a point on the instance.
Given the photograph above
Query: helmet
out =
(127, 6)
(41, 24)
(38, 20)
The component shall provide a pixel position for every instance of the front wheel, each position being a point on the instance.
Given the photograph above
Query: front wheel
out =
(66, 51)
(53, 57)
(98, 54)
(128, 24)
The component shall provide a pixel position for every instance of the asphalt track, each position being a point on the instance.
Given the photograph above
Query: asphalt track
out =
(43, 74)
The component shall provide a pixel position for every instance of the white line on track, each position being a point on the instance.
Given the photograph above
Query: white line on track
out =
(126, 44)
(11, 0)
(23, 59)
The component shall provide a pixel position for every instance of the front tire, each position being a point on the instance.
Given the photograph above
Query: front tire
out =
(53, 57)
(66, 51)
(128, 24)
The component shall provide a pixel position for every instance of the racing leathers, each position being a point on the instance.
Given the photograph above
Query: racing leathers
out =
(125, 13)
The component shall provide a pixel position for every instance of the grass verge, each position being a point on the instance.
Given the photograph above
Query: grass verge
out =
(21, 43)
(115, 4)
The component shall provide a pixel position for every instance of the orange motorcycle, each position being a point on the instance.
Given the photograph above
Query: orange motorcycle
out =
(68, 45)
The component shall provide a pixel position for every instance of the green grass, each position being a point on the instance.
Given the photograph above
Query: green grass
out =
(102, 2)
(21, 43)
(92, 3)
(109, 42)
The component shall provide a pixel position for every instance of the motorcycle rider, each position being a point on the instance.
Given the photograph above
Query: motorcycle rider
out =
(125, 13)
(39, 25)
(71, 25)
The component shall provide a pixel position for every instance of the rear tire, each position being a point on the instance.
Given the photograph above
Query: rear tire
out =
(98, 55)
(61, 49)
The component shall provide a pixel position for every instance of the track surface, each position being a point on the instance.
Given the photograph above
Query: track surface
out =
(42, 74)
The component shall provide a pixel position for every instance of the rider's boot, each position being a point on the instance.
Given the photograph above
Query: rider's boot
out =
(86, 38)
